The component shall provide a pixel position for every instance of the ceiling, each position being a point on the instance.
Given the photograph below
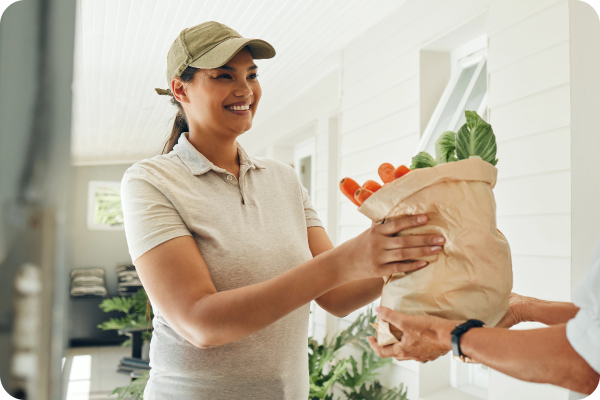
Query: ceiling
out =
(120, 57)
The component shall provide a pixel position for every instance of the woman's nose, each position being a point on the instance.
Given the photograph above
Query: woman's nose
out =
(242, 88)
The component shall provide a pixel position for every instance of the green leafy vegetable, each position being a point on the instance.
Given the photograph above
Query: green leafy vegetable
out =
(476, 138)
(423, 160)
(445, 148)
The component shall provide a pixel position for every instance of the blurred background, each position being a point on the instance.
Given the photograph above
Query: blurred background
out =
(355, 83)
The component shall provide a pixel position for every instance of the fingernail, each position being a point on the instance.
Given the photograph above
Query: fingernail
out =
(438, 240)
(422, 263)
(422, 218)
(378, 310)
(436, 248)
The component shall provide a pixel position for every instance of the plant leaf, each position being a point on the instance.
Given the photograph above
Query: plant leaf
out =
(445, 148)
(423, 160)
(122, 304)
(476, 138)
(473, 119)
(133, 391)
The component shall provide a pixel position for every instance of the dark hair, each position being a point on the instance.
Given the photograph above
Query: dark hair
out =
(180, 125)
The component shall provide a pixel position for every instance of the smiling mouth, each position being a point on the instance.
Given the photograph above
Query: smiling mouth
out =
(239, 112)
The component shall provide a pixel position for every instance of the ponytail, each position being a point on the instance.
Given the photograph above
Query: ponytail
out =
(180, 125)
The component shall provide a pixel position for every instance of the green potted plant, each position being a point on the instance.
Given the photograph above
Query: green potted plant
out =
(134, 308)
(354, 381)
(326, 366)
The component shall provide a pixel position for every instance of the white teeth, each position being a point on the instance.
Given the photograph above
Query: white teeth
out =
(238, 108)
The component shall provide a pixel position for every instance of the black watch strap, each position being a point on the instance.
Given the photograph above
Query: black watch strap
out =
(457, 334)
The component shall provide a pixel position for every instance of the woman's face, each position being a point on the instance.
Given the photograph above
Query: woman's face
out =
(214, 89)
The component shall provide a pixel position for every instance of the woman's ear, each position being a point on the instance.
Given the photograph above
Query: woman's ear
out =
(179, 90)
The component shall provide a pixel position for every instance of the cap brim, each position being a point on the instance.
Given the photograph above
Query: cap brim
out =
(222, 53)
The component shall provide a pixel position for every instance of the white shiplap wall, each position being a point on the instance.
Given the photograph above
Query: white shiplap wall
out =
(530, 111)
(528, 50)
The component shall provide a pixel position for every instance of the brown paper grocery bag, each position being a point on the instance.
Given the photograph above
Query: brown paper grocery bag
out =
(472, 276)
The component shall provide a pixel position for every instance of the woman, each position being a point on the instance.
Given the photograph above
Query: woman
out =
(229, 247)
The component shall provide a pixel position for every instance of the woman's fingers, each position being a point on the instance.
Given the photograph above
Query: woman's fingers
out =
(398, 242)
(397, 267)
(395, 225)
(411, 253)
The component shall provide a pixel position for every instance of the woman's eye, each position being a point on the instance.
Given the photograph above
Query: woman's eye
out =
(252, 76)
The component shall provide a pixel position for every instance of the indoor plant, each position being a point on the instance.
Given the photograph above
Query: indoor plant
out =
(326, 368)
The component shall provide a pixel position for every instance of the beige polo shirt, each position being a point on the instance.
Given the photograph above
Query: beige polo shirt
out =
(248, 231)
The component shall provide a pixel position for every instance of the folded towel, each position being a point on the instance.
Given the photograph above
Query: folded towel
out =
(88, 282)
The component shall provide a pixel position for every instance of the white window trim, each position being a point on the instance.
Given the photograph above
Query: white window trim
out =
(92, 186)
(301, 150)
(479, 57)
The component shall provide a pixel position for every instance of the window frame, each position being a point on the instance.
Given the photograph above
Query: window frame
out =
(478, 57)
(93, 186)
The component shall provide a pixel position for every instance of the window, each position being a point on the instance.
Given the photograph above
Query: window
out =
(466, 90)
(104, 206)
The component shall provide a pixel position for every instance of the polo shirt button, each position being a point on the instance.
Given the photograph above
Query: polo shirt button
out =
(229, 177)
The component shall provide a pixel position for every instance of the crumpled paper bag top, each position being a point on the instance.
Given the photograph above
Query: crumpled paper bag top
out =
(472, 276)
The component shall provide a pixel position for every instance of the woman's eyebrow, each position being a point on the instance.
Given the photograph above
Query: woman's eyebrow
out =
(234, 70)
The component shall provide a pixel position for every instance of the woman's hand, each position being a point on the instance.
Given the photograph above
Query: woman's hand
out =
(424, 337)
(377, 252)
(516, 311)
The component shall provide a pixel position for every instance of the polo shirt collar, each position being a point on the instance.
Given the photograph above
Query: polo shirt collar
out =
(198, 164)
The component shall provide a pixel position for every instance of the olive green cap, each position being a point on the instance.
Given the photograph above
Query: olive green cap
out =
(209, 45)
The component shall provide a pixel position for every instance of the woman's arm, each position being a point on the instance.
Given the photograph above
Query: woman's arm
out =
(178, 283)
(344, 299)
(351, 296)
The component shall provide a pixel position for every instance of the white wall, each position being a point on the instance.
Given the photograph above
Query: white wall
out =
(584, 51)
(96, 248)
(530, 112)
(529, 108)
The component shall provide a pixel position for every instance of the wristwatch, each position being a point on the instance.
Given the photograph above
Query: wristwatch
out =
(460, 330)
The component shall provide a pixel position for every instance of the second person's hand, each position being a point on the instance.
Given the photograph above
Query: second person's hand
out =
(377, 252)
(424, 338)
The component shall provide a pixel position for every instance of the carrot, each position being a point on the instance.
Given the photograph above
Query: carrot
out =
(401, 171)
(386, 172)
(348, 186)
(362, 194)
(371, 185)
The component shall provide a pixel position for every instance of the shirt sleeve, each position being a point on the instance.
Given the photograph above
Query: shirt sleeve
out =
(309, 212)
(583, 331)
(149, 216)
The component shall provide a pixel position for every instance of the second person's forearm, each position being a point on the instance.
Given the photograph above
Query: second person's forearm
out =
(230, 315)
(541, 355)
(549, 312)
